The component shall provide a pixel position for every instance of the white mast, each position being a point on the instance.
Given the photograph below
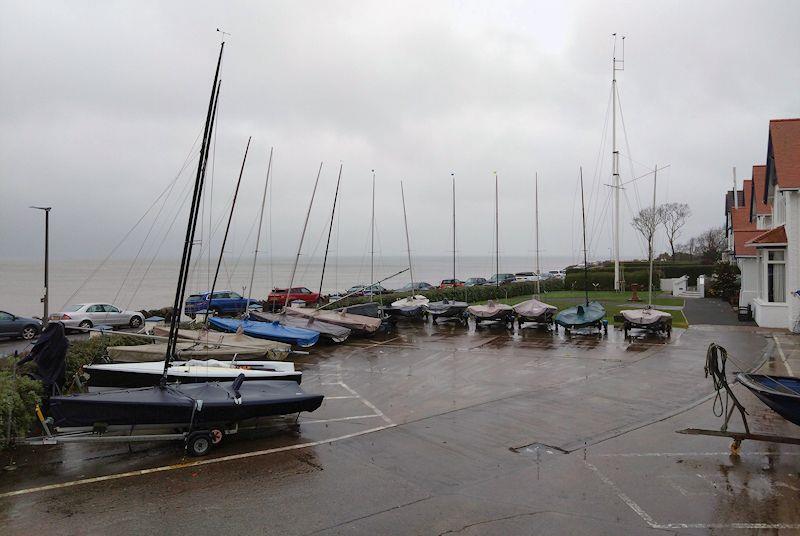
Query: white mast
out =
(536, 204)
(372, 239)
(652, 239)
(408, 241)
(302, 237)
(258, 234)
(735, 195)
(615, 154)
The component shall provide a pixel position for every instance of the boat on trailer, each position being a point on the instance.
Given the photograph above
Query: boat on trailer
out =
(183, 350)
(359, 323)
(648, 319)
(103, 376)
(412, 307)
(535, 311)
(447, 310)
(780, 393)
(273, 331)
(274, 350)
(492, 312)
(326, 330)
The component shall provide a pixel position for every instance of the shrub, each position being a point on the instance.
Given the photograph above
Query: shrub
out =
(725, 283)
(90, 350)
(604, 280)
(18, 398)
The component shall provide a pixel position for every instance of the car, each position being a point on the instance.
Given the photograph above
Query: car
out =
(366, 290)
(451, 283)
(418, 287)
(278, 296)
(503, 279)
(556, 274)
(475, 282)
(222, 302)
(21, 327)
(524, 277)
(87, 315)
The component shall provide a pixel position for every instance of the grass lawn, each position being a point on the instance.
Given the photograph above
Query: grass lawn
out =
(614, 302)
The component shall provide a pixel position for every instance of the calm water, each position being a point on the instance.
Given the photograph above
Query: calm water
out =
(144, 286)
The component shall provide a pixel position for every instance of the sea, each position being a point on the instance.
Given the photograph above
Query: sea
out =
(149, 284)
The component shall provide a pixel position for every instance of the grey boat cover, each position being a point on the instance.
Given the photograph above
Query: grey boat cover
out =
(185, 350)
(490, 310)
(364, 309)
(272, 349)
(362, 323)
(446, 307)
(534, 308)
(645, 317)
(330, 331)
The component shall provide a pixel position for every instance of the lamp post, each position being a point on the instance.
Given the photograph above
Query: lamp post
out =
(46, 260)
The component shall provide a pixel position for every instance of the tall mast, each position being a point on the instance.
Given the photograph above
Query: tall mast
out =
(735, 195)
(652, 238)
(258, 235)
(330, 229)
(615, 184)
(408, 241)
(186, 257)
(302, 237)
(228, 227)
(585, 263)
(536, 204)
(496, 235)
(453, 175)
(372, 239)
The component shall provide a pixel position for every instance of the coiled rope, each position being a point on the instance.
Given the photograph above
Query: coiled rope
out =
(716, 359)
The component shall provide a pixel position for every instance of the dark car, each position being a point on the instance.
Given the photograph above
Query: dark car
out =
(422, 286)
(475, 282)
(502, 279)
(223, 302)
(19, 326)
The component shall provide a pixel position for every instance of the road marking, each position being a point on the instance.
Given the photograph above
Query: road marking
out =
(337, 419)
(196, 463)
(340, 397)
(687, 454)
(672, 526)
(783, 356)
(367, 403)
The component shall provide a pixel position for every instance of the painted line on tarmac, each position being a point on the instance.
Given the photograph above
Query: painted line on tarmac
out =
(685, 454)
(783, 356)
(367, 403)
(673, 526)
(338, 419)
(196, 463)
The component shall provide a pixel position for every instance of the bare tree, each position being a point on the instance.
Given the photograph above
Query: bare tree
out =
(711, 244)
(674, 216)
(647, 222)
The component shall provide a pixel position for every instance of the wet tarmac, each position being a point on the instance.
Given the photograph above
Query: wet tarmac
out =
(441, 430)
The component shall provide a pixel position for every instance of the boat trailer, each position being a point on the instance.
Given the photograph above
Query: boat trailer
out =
(716, 358)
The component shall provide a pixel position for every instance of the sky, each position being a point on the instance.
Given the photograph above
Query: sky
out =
(102, 103)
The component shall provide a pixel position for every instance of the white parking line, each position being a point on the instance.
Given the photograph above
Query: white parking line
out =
(337, 419)
(783, 356)
(369, 404)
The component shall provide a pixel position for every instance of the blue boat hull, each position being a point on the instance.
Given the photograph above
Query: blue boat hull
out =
(581, 316)
(780, 393)
(268, 330)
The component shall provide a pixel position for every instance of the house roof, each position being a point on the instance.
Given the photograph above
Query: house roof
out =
(729, 200)
(743, 231)
(784, 150)
(773, 237)
(756, 197)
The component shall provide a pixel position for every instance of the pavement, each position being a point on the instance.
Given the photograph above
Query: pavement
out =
(444, 430)
(711, 311)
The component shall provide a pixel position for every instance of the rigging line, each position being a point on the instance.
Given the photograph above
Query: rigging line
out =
(595, 234)
(639, 235)
(598, 167)
(241, 252)
(135, 225)
(185, 196)
(627, 145)
(330, 229)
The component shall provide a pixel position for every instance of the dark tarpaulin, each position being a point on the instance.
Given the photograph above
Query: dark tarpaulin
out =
(49, 354)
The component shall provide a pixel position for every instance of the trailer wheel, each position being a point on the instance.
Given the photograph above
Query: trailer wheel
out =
(199, 444)
(216, 436)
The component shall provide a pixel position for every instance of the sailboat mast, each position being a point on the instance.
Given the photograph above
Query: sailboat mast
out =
(228, 227)
(372, 240)
(536, 205)
(258, 234)
(453, 175)
(615, 184)
(192, 224)
(585, 262)
(496, 234)
(408, 241)
(330, 229)
(302, 237)
(650, 290)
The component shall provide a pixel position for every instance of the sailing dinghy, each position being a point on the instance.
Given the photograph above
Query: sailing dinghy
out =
(648, 319)
(780, 393)
(184, 350)
(409, 307)
(356, 322)
(118, 375)
(329, 331)
(274, 350)
(534, 311)
(268, 330)
(447, 310)
(491, 312)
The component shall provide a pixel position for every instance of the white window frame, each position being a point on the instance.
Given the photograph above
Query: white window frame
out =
(767, 263)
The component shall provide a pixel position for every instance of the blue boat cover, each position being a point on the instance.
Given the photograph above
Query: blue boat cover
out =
(267, 330)
(581, 315)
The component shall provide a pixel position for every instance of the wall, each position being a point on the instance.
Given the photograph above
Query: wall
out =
(792, 257)
(770, 315)
(748, 266)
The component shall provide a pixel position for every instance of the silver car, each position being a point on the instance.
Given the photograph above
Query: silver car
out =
(86, 315)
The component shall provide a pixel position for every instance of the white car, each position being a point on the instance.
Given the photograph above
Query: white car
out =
(557, 274)
(87, 315)
(522, 277)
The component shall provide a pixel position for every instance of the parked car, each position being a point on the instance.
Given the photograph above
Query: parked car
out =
(86, 315)
(222, 302)
(522, 277)
(503, 279)
(451, 283)
(371, 290)
(475, 282)
(556, 274)
(278, 296)
(22, 327)
(421, 286)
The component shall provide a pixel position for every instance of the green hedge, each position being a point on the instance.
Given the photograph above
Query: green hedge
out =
(90, 350)
(18, 398)
(604, 280)
(468, 294)
(631, 271)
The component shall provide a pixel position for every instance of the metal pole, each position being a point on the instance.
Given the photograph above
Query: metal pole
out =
(330, 229)
(652, 238)
(536, 203)
(45, 291)
(302, 236)
(454, 228)
(258, 236)
(408, 241)
(735, 195)
(585, 263)
(615, 183)
(372, 238)
(496, 234)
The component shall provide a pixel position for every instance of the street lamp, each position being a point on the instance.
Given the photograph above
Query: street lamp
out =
(46, 260)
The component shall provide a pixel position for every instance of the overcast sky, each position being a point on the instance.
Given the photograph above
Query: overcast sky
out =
(101, 102)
